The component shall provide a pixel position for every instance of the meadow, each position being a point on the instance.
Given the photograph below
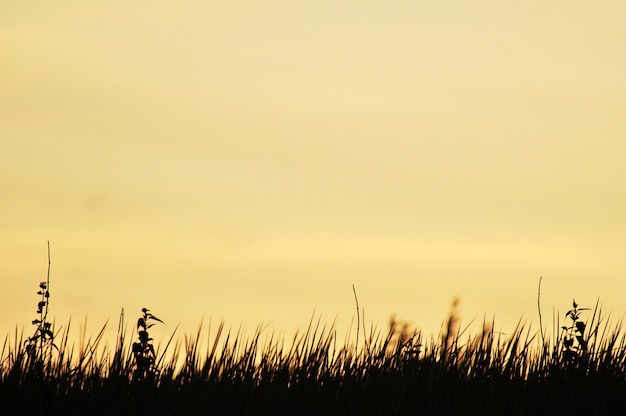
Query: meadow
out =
(577, 366)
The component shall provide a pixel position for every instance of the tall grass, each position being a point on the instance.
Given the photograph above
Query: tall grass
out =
(390, 372)
(580, 368)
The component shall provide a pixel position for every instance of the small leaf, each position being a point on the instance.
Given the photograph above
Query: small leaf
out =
(144, 337)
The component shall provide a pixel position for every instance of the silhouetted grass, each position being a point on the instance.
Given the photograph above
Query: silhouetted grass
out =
(394, 372)
(579, 369)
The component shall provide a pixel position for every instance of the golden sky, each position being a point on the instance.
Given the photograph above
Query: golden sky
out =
(250, 161)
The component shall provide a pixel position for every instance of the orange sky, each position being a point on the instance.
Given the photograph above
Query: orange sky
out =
(251, 162)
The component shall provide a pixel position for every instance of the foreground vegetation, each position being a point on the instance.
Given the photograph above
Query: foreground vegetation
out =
(579, 368)
(388, 373)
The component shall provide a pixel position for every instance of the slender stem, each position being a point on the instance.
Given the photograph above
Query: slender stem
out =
(358, 318)
(543, 338)
(46, 297)
(46, 292)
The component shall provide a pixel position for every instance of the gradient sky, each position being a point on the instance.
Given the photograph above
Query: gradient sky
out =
(250, 161)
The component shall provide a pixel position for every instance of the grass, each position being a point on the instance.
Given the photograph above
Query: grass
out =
(391, 372)
(580, 368)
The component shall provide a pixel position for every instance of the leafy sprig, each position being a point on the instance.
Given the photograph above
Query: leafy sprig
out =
(143, 350)
(38, 345)
(574, 341)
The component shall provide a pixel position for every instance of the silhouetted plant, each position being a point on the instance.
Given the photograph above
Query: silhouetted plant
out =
(573, 336)
(143, 350)
(39, 345)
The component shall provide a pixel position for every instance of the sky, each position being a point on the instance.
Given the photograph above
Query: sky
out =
(252, 161)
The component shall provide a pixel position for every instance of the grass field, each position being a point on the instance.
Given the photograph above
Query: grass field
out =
(578, 366)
